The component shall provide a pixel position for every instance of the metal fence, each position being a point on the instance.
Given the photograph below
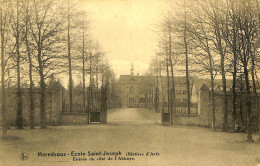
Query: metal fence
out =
(181, 108)
(93, 104)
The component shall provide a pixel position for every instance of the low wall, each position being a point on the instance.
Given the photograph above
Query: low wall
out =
(53, 105)
(68, 119)
(11, 107)
(189, 120)
(241, 112)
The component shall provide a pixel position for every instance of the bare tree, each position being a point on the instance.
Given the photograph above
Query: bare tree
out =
(181, 27)
(230, 35)
(45, 24)
(186, 58)
(172, 88)
(16, 26)
(82, 25)
(247, 27)
(83, 61)
(202, 52)
(30, 63)
(4, 20)
(220, 46)
(255, 51)
(168, 60)
(69, 56)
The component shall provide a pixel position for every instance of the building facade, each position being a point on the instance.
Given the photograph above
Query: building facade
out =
(140, 91)
(135, 90)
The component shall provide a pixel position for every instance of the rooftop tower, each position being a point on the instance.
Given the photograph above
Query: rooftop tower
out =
(132, 70)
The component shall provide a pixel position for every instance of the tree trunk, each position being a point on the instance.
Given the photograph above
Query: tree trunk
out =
(254, 81)
(4, 126)
(31, 96)
(218, 44)
(212, 84)
(70, 67)
(234, 94)
(254, 85)
(30, 69)
(42, 83)
(212, 92)
(224, 93)
(212, 100)
(186, 60)
(248, 106)
(222, 66)
(258, 107)
(161, 88)
(90, 102)
(9, 78)
(19, 116)
(172, 89)
(83, 67)
(157, 88)
(84, 84)
(42, 99)
(97, 77)
(168, 89)
(168, 84)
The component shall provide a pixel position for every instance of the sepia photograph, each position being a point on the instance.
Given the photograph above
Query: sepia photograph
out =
(130, 82)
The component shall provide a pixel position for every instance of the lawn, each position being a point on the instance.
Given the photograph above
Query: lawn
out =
(165, 145)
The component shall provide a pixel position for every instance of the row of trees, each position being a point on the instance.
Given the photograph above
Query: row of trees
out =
(217, 39)
(41, 40)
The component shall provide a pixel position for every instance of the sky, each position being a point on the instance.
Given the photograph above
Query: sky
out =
(125, 30)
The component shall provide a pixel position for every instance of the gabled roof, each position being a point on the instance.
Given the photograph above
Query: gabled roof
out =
(178, 80)
(123, 79)
(204, 87)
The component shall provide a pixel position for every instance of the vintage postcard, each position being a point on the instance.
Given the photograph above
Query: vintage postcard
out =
(129, 82)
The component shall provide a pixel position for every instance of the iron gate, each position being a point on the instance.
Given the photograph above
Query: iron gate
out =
(94, 106)
(97, 105)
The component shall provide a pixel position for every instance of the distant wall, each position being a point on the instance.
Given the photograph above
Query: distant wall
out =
(187, 120)
(11, 106)
(240, 111)
(53, 105)
(204, 116)
(199, 119)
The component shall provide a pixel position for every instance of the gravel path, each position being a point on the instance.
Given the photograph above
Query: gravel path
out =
(132, 131)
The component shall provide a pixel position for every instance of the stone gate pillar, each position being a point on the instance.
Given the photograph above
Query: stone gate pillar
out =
(56, 99)
(203, 105)
(103, 111)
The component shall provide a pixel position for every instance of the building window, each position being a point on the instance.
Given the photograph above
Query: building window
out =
(131, 100)
(178, 92)
(131, 90)
(142, 100)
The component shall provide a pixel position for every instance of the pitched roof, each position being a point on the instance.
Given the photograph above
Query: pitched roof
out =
(178, 80)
